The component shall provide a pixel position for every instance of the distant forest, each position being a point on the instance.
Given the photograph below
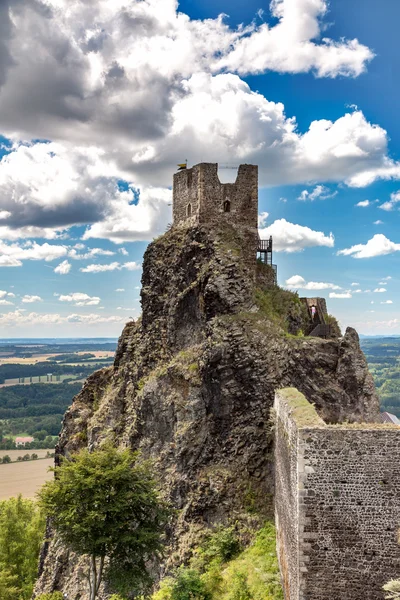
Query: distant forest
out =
(383, 356)
(36, 407)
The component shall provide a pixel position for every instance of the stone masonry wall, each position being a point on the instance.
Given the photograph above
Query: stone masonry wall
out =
(200, 186)
(199, 198)
(337, 504)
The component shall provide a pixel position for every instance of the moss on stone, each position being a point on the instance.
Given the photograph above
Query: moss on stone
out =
(302, 412)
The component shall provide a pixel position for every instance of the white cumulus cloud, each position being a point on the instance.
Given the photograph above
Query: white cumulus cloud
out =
(392, 203)
(80, 299)
(298, 282)
(114, 266)
(363, 203)
(29, 299)
(344, 295)
(319, 192)
(63, 268)
(379, 245)
(289, 237)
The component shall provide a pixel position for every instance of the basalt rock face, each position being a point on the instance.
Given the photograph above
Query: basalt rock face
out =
(192, 387)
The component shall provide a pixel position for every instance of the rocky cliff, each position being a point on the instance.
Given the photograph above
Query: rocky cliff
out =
(193, 383)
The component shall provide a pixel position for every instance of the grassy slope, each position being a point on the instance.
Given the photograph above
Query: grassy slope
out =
(251, 574)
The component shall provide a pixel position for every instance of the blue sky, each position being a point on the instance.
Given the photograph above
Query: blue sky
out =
(95, 117)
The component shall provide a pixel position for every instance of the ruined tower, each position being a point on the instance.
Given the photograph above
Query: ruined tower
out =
(199, 198)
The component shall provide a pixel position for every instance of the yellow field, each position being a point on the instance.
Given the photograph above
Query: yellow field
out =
(42, 357)
(25, 361)
(24, 477)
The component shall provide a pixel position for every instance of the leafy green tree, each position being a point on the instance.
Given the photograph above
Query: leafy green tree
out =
(104, 504)
(40, 435)
(34, 456)
(21, 532)
(9, 589)
(6, 459)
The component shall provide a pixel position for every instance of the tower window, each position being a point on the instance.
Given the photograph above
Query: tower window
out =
(189, 210)
(227, 206)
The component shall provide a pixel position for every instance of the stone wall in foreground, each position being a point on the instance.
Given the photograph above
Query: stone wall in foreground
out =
(337, 504)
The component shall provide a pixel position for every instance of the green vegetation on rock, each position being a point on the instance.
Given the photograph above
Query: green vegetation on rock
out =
(221, 570)
(282, 307)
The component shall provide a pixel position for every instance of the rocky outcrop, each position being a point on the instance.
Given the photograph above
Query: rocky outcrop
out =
(192, 387)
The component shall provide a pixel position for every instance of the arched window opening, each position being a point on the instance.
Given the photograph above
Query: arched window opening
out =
(227, 206)
(189, 210)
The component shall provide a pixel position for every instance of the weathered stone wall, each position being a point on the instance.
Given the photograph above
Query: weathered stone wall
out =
(199, 198)
(337, 504)
(201, 188)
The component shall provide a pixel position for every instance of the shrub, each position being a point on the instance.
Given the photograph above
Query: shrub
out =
(240, 588)
(335, 327)
(221, 545)
(51, 596)
(188, 585)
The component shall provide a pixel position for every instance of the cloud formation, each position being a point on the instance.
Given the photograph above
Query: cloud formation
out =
(392, 203)
(320, 192)
(289, 237)
(120, 83)
(379, 245)
(80, 299)
(21, 319)
(114, 266)
(63, 268)
(298, 282)
(341, 296)
(27, 299)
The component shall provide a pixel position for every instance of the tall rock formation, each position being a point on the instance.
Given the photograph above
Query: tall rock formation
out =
(193, 383)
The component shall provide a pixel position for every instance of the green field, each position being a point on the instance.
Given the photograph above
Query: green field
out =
(383, 356)
(38, 379)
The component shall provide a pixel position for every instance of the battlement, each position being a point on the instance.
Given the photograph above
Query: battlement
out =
(199, 198)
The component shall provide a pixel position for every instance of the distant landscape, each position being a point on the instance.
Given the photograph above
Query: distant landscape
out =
(38, 380)
(383, 356)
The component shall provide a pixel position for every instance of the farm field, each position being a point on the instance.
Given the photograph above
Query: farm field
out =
(24, 478)
(13, 454)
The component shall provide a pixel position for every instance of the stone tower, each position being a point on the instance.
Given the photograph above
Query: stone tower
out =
(199, 198)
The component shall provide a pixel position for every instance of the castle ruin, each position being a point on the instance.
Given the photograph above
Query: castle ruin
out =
(199, 198)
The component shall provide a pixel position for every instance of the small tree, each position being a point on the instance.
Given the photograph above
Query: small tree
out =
(104, 504)
(6, 459)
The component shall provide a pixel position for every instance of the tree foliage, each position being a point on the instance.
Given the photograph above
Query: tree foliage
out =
(21, 532)
(105, 504)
